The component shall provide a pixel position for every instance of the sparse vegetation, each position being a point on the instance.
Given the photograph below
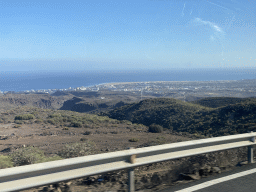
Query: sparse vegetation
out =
(161, 138)
(39, 121)
(77, 149)
(18, 122)
(5, 162)
(47, 159)
(83, 139)
(87, 132)
(27, 155)
(24, 117)
(154, 128)
(127, 122)
(134, 140)
(77, 124)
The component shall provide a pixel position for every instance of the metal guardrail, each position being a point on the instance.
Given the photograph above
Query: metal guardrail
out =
(29, 176)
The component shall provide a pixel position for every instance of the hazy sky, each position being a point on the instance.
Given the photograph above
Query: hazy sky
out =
(126, 34)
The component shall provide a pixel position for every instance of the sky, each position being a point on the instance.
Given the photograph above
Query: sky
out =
(126, 34)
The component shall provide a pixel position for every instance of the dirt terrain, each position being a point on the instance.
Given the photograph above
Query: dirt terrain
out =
(51, 139)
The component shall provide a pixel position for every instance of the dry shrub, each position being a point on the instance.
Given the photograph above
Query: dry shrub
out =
(77, 149)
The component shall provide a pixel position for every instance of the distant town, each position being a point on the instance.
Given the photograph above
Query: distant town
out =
(174, 89)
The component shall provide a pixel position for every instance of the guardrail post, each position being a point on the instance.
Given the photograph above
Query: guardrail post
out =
(131, 179)
(250, 151)
(131, 185)
(250, 154)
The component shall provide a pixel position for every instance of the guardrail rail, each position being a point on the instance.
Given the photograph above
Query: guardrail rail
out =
(35, 175)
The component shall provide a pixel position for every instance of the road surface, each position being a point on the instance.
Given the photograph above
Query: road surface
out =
(241, 179)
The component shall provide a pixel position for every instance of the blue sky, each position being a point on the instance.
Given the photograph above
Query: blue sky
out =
(120, 34)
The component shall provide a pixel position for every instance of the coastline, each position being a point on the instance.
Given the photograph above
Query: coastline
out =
(26, 81)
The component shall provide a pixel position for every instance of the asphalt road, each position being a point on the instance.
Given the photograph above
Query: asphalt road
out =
(241, 179)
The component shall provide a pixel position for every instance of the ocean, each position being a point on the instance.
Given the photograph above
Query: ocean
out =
(38, 80)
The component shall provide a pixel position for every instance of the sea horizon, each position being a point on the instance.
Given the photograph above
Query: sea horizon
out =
(42, 80)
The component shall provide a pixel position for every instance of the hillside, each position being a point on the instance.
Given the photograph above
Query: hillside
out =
(215, 102)
(80, 104)
(182, 116)
(45, 101)
(79, 101)
(170, 113)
